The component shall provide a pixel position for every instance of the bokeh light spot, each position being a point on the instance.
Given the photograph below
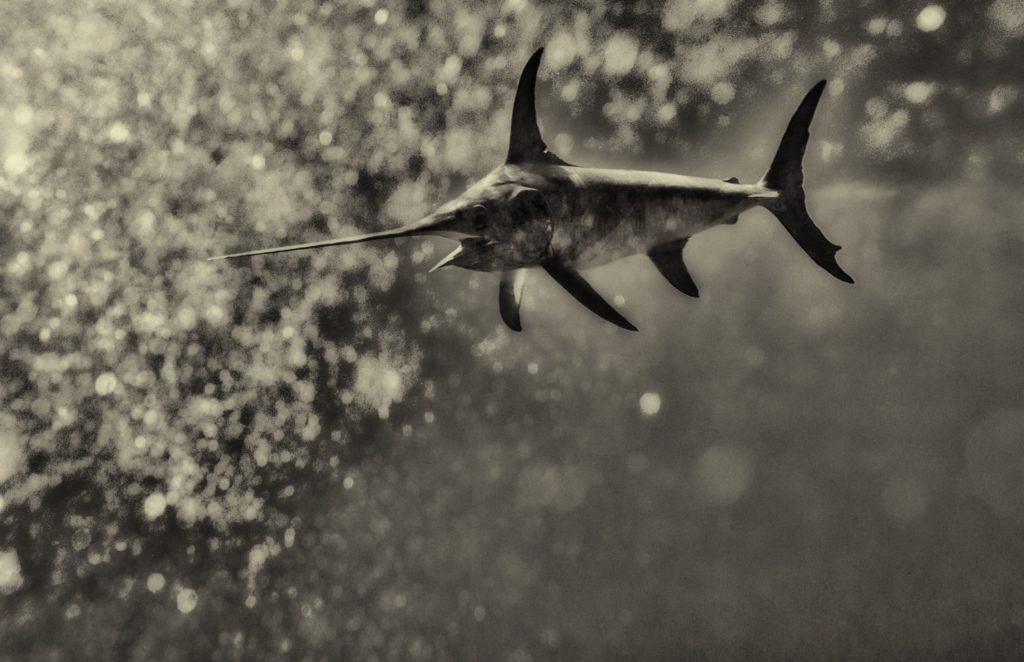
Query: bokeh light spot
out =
(1008, 15)
(12, 454)
(155, 582)
(722, 93)
(620, 54)
(154, 505)
(118, 133)
(918, 91)
(187, 600)
(931, 18)
(650, 403)
(10, 572)
(106, 383)
(16, 164)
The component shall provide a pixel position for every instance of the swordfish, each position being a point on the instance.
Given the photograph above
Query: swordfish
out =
(537, 210)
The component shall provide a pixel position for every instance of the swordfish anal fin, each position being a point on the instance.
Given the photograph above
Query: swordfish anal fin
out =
(510, 296)
(668, 258)
(525, 143)
(572, 281)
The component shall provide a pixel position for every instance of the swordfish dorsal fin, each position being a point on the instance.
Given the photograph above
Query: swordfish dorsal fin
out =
(525, 143)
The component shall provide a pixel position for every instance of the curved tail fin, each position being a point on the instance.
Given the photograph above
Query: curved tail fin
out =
(786, 176)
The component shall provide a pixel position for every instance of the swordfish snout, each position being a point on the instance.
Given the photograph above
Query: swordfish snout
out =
(537, 210)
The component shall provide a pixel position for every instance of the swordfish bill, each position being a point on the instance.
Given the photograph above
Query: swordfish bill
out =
(538, 210)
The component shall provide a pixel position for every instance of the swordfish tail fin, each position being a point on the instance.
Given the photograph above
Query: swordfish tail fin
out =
(786, 177)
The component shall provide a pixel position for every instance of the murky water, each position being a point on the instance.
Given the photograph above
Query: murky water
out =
(338, 456)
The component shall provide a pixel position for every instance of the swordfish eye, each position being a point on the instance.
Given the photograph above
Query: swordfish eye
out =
(478, 214)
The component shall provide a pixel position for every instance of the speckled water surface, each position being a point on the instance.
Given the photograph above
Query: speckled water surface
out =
(336, 456)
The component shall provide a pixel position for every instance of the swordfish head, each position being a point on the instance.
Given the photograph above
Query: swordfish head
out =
(501, 224)
(504, 217)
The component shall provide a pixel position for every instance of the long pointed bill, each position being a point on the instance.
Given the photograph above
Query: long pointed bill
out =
(429, 225)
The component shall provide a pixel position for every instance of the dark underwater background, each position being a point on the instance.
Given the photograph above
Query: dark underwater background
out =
(337, 456)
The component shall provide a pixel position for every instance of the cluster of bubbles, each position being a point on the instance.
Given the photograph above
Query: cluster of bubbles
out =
(179, 427)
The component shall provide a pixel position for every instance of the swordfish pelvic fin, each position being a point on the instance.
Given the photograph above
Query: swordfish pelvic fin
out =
(668, 258)
(574, 283)
(510, 297)
(525, 143)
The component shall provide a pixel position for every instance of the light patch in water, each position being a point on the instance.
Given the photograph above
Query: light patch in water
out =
(155, 582)
(187, 600)
(10, 572)
(620, 54)
(650, 403)
(918, 91)
(723, 474)
(723, 92)
(995, 462)
(154, 505)
(931, 18)
(905, 498)
(12, 452)
(379, 384)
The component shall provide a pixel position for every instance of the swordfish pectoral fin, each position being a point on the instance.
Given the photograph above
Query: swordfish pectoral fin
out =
(668, 258)
(572, 281)
(510, 297)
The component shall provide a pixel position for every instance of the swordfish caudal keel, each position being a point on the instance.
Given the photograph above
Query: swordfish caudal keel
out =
(537, 210)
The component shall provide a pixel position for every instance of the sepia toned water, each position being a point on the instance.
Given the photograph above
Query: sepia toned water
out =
(336, 456)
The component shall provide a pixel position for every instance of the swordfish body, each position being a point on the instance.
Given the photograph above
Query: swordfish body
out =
(537, 210)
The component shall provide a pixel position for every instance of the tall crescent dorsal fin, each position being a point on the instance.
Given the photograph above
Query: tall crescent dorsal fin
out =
(525, 143)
